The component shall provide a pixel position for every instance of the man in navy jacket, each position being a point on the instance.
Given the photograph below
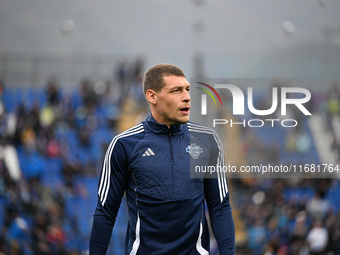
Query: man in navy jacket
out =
(151, 163)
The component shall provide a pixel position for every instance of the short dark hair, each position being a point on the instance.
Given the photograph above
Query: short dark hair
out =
(153, 77)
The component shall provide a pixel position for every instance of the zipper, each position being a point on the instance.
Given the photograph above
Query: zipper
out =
(171, 164)
(171, 155)
(135, 189)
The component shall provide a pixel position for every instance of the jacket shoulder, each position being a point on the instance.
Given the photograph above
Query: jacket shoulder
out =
(130, 137)
(200, 129)
(205, 134)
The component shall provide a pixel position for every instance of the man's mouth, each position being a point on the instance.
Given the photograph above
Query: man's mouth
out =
(185, 110)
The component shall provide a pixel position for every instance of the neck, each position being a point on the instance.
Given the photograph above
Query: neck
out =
(159, 119)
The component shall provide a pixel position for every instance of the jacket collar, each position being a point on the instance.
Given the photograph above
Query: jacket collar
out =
(162, 128)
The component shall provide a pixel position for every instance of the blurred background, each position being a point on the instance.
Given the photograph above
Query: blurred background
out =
(70, 79)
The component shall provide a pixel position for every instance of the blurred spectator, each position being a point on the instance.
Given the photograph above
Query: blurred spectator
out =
(299, 233)
(317, 207)
(47, 116)
(10, 158)
(121, 75)
(56, 238)
(53, 91)
(8, 152)
(39, 235)
(317, 238)
(257, 236)
(87, 93)
(333, 103)
(333, 226)
(290, 144)
(303, 142)
(137, 68)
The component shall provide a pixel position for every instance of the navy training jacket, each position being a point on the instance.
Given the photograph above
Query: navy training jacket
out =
(151, 163)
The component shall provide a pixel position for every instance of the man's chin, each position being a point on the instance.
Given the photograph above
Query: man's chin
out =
(182, 120)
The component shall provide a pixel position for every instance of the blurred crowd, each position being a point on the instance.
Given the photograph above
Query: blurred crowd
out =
(62, 134)
(297, 216)
(288, 216)
(50, 138)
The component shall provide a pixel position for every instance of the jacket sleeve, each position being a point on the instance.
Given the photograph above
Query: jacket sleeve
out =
(217, 198)
(112, 184)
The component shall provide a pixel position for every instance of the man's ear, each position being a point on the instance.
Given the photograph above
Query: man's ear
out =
(151, 96)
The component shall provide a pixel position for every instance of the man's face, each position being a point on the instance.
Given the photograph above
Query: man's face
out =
(172, 104)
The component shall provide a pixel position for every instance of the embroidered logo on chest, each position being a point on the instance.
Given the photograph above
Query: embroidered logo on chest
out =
(194, 150)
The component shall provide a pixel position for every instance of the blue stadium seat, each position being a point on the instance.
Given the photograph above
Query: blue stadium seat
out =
(52, 173)
(2, 210)
(333, 196)
(32, 163)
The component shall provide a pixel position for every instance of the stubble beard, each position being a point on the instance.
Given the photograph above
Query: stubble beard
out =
(174, 120)
(178, 121)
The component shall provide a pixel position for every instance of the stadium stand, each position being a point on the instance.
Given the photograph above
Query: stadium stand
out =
(60, 137)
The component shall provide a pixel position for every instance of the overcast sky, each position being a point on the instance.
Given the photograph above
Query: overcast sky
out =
(168, 31)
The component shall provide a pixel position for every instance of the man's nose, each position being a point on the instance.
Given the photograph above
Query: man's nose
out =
(186, 96)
